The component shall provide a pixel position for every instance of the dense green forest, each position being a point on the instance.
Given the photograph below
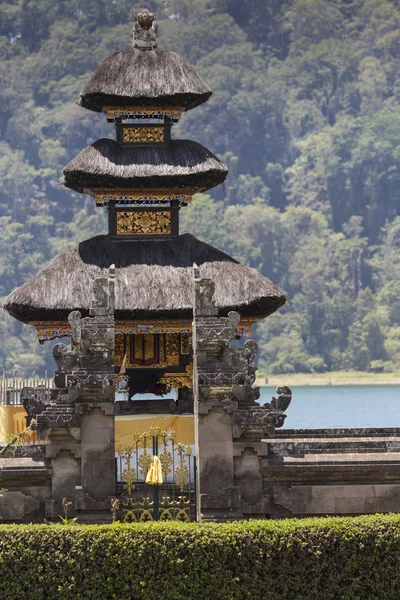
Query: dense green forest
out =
(305, 111)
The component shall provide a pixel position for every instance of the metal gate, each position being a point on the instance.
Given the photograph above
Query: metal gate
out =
(156, 479)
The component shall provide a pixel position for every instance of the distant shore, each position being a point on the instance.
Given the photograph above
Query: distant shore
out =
(333, 378)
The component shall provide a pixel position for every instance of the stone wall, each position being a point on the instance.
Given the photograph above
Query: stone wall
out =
(332, 472)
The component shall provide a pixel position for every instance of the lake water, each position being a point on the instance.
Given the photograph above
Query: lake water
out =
(341, 406)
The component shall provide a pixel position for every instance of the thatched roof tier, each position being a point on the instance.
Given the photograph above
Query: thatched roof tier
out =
(154, 280)
(134, 77)
(182, 163)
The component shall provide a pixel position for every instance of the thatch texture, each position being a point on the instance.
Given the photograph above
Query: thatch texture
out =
(182, 163)
(132, 77)
(154, 279)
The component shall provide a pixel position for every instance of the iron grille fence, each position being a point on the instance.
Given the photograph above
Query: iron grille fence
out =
(11, 387)
(156, 479)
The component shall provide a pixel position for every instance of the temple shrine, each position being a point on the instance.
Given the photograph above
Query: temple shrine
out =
(149, 311)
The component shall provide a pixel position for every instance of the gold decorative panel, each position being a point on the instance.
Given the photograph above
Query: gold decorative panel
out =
(185, 343)
(143, 112)
(179, 380)
(172, 349)
(140, 351)
(147, 350)
(49, 330)
(144, 223)
(143, 135)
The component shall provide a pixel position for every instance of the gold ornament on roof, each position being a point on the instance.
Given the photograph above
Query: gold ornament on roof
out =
(143, 135)
(144, 223)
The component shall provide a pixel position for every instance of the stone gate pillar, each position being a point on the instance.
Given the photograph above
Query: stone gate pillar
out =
(79, 419)
(230, 424)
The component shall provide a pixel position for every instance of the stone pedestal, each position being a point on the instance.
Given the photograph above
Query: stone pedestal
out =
(98, 450)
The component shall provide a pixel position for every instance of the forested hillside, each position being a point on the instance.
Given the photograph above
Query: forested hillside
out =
(305, 111)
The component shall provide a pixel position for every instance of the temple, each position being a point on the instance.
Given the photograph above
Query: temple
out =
(153, 413)
(142, 321)
(144, 178)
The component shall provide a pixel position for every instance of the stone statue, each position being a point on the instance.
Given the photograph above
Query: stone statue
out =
(145, 30)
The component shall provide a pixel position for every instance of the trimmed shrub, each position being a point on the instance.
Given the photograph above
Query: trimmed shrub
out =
(307, 559)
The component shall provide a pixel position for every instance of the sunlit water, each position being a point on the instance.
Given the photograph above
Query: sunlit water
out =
(341, 406)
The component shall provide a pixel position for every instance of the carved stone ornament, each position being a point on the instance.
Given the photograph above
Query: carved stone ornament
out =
(145, 30)
(85, 373)
(50, 330)
(259, 421)
(34, 402)
(226, 373)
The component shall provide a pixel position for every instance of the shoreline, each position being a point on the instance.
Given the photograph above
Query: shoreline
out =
(332, 378)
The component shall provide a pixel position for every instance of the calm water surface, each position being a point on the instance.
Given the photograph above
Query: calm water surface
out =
(341, 406)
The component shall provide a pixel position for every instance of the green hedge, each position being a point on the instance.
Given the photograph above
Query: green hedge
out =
(309, 559)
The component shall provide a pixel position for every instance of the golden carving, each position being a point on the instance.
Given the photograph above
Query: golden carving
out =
(172, 349)
(143, 112)
(143, 135)
(129, 475)
(185, 343)
(166, 460)
(153, 327)
(175, 510)
(119, 349)
(182, 474)
(144, 462)
(144, 223)
(121, 196)
(179, 380)
(48, 330)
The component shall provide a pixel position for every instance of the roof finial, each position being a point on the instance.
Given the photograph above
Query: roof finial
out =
(145, 30)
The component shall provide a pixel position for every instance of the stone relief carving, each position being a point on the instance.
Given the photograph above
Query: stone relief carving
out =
(145, 30)
(84, 373)
(226, 373)
(259, 421)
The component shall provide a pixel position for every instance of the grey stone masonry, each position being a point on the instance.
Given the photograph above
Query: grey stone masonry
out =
(227, 411)
(79, 418)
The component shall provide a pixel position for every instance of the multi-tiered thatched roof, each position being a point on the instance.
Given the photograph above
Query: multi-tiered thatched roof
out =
(153, 279)
(182, 163)
(135, 77)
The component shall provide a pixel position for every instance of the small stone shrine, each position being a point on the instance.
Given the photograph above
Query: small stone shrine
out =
(140, 316)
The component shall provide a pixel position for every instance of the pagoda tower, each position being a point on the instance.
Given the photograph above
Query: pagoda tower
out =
(143, 179)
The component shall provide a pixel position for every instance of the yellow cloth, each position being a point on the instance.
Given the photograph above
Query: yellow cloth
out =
(127, 425)
(154, 476)
(12, 422)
